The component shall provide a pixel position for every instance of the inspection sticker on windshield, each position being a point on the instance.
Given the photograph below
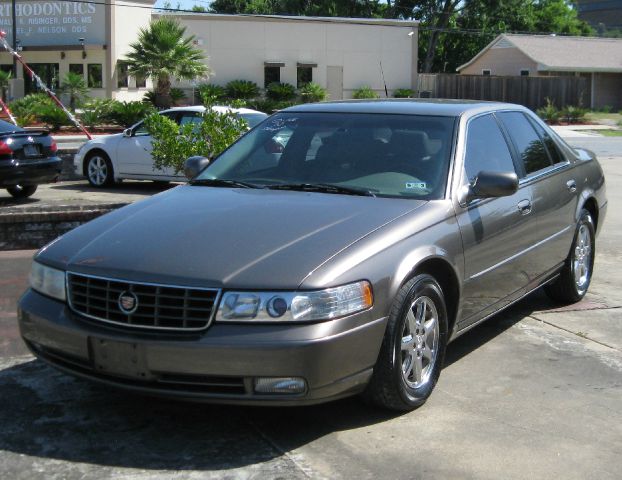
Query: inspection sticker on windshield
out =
(416, 185)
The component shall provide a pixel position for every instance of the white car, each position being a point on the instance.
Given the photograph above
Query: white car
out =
(110, 158)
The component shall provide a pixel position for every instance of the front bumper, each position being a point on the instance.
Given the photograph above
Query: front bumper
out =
(32, 172)
(219, 365)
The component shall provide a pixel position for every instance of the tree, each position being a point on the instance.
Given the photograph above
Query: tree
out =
(73, 85)
(163, 52)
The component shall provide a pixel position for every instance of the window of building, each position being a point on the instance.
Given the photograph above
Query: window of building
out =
(141, 82)
(271, 74)
(76, 68)
(48, 72)
(486, 72)
(486, 148)
(95, 75)
(304, 75)
(122, 77)
(527, 142)
(524, 73)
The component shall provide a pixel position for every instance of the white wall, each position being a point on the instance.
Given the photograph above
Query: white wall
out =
(237, 49)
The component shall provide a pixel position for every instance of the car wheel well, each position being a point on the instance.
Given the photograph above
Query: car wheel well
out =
(444, 274)
(591, 206)
(89, 155)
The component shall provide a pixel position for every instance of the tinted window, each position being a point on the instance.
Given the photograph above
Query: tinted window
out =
(551, 146)
(527, 142)
(486, 148)
(389, 155)
(8, 127)
(253, 119)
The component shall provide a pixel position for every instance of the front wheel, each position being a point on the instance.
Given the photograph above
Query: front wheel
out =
(413, 348)
(22, 191)
(576, 275)
(98, 170)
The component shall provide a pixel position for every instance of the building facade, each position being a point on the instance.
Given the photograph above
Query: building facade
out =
(91, 39)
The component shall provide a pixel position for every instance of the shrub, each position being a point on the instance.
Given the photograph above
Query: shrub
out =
(53, 116)
(549, 113)
(173, 144)
(281, 91)
(211, 91)
(75, 87)
(365, 92)
(605, 109)
(177, 96)
(403, 93)
(149, 97)
(312, 92)
(127, 114)
(97, 112)
(269, 106)
(572, 114)
(244, 89)
(30, 107)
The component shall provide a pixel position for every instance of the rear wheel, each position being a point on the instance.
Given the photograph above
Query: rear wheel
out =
(98, 169)
(576, 275)
(22, 191)
(413, 348)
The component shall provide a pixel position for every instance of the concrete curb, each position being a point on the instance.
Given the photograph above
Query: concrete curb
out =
(33, 227)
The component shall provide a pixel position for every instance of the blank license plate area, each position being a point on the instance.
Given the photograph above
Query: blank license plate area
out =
(122, 359)
(31, 151)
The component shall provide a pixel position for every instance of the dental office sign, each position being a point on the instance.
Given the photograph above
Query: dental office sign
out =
(54, 23)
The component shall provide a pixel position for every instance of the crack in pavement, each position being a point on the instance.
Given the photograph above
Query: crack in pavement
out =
(584, 336)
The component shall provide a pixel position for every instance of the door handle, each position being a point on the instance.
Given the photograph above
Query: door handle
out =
(571, 185)
(524, 207)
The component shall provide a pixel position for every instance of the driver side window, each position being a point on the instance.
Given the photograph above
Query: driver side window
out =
(486, 148)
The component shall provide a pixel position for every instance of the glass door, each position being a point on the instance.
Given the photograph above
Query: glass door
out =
(48, 72)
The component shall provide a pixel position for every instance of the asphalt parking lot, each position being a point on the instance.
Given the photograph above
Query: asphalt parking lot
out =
(535, 392)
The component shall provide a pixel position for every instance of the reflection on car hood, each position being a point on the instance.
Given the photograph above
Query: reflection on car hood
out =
(222, 237)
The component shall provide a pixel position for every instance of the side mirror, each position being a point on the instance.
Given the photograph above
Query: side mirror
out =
(492, 184)
(195, 165)
(127, 132)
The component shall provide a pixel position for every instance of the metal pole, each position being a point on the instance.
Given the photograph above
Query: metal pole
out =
(14, 25)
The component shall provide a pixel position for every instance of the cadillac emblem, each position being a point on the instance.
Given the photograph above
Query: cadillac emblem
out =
(128, 302)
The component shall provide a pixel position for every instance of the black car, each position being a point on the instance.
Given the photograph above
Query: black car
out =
(27, 158)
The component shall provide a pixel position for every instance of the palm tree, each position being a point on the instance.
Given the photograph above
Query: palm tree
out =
(5, 76)
(73, 85)
(162, 52)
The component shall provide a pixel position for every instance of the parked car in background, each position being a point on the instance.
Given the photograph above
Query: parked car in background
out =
(340, 262)
(27, 158)
(110, 158)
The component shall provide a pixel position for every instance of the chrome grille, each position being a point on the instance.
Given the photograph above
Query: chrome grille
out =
(160, 307)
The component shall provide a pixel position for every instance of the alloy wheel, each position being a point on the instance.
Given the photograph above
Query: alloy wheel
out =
(420, 339)
(582, 258)
(97, 170)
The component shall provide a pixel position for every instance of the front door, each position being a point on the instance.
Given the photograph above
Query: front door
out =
(47, 72)
(496, 232)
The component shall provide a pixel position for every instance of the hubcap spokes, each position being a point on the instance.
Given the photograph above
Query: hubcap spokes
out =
(98, 170)
(419, 344)
(582, 257)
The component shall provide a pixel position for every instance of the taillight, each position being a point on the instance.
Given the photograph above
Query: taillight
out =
(5, 149)
(53, 147)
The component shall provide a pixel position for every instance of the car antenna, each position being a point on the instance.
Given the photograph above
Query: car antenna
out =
(386, 92)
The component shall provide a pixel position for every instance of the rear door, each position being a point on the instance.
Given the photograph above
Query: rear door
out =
(497, 233)
(554, 187)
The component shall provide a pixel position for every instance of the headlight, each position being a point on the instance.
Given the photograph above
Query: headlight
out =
(295, 306)
(48, 281)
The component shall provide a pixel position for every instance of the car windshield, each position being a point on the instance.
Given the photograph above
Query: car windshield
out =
(373, 154)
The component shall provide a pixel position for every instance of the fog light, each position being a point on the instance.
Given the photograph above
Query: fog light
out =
(280, 385)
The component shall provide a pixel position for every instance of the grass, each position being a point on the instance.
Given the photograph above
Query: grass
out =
(610, 133)
(597, 117)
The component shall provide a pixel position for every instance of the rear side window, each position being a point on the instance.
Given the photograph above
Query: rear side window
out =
(8, 127)
(530, 148)
(550, 144)
(486, 148)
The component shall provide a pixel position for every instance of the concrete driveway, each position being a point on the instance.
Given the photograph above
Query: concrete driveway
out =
(535, 392)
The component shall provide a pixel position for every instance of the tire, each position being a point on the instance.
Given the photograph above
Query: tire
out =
(397, 383)
(576, 274)
(19, 191)
(98, 169)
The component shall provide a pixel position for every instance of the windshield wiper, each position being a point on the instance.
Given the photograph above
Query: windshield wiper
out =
(321, 187)
(221, 182)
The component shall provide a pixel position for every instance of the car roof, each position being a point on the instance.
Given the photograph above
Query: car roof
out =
(408, 106)
(218, 108)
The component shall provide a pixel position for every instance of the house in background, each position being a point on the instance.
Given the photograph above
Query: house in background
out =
(599, 60)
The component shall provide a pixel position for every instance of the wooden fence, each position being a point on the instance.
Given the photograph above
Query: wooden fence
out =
(531, 92)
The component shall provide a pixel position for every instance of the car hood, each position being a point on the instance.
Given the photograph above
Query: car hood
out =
(223, 237)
